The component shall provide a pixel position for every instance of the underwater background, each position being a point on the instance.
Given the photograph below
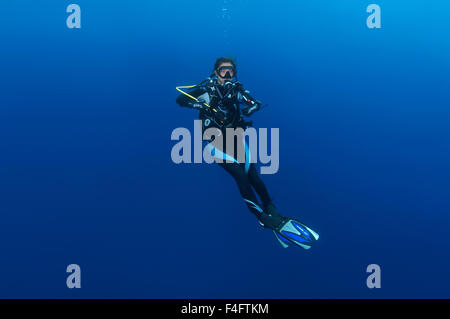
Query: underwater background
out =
(86, 175)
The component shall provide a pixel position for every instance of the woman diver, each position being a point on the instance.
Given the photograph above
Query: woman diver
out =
(218, 98)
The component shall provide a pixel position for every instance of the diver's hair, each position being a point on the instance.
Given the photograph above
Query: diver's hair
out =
(219, 61)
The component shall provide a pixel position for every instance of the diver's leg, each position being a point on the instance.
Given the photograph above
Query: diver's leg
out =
(271, 217)
(259, 185)
(237, 171)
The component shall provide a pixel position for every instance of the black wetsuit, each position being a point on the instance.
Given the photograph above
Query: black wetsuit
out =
(228, 114)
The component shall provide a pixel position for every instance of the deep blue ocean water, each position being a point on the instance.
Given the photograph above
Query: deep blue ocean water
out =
(85, 170)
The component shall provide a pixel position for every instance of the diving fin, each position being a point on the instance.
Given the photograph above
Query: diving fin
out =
(283, 241)
(286, 230)
(296, 233)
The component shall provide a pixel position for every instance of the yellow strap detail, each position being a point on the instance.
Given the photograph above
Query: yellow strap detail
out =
(192, 97)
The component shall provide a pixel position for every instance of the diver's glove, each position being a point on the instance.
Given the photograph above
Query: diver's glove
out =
(249, 110)
(238, 85)
(198, 105)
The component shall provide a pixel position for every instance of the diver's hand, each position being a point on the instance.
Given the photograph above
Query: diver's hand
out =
(238, 85)
(199, 105)
(252, 108)
(219, 115)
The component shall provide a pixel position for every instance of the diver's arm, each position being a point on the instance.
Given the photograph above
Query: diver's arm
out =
(252, 104)
(186, 101)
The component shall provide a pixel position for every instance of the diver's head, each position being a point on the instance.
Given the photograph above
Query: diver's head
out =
(225, 70)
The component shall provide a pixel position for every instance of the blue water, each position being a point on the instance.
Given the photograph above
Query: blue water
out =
(85, 170)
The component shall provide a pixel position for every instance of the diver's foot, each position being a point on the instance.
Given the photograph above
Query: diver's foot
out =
(272, 221)
(271, 209)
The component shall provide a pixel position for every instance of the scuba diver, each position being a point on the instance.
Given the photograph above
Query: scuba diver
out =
(218, 99)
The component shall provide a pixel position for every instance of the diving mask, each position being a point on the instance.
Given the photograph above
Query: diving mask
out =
(226, 72)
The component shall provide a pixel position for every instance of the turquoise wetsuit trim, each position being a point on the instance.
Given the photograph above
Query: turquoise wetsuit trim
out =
(224, 156)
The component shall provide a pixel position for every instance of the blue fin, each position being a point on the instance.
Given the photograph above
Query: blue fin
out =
(283, 241)
(298, 233)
